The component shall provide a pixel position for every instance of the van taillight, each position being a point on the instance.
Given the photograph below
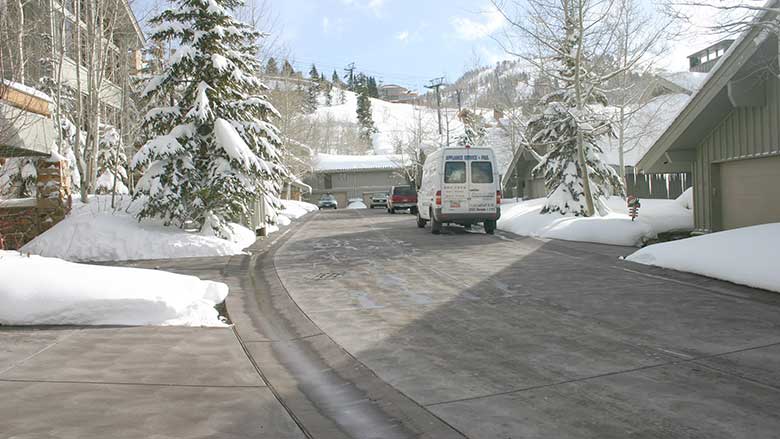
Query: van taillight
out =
(438, 198)
(498, 197)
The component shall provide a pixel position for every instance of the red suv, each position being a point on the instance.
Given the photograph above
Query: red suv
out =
(402, 197)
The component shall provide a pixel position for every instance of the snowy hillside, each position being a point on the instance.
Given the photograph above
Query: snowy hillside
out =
(644, 128)
(507, 81)
(396, 122)
(393, 121)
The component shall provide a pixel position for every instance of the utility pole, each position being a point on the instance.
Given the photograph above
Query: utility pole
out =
(459, 91)
(436, 84)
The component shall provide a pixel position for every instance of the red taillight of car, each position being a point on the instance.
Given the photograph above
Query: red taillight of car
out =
(438, 198)
(498, 197)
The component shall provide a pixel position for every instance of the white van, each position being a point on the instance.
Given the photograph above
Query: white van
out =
(460, 186)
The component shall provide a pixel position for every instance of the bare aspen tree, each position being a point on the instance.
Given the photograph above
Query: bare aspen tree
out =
(566, 40)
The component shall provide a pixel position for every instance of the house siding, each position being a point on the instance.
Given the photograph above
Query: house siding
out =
(745, 133)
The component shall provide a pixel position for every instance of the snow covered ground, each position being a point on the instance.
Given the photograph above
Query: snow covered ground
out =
(656, 216)
(294, 210)
(745, 256)
(95, 232)
(48, 291)
(357, 204)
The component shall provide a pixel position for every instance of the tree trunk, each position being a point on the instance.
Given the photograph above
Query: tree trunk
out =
(580, 107)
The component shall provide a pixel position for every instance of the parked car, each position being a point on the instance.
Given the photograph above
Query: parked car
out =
(328, 201)
(402, 197)
(460, 186)
(379, 200)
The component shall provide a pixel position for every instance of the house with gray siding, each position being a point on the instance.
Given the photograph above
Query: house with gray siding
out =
(354, 176)
(728, 137)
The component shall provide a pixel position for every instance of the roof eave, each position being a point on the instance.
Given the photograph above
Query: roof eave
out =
(744, 46)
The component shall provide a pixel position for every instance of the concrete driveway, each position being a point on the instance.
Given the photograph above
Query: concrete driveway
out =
(510, 337)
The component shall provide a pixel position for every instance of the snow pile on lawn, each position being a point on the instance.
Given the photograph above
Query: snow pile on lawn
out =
(745, 256)
(48, 291)
(292, 209)
(525, 219)
(296, 209)
(336, 162)
(656, 216)
(661, 215)
(357, 204)
(95, 232)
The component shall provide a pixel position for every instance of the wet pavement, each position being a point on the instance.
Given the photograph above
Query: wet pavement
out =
(511, 337)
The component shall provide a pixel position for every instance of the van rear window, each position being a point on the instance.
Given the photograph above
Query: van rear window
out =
(455, 172)
(404, 190)
(481, 172)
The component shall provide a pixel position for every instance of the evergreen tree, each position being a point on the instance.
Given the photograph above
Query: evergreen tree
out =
(364, 114)
(271, 68)
(212, 151)
(373, 90)
(559, 126)
(287, 69)
(322, 78)
(474, 130)
(312, 94)
(328, 94)
(112, 163)
(334, 78)
(314, 75)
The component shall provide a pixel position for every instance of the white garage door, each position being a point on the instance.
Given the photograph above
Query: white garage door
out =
(750, 192)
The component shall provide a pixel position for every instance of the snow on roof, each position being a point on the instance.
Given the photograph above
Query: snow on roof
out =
(26, 90)
(644, 128)
(335, 162)
(690, 81)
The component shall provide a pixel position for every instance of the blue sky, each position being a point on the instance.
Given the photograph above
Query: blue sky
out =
(407, 42)
(400, 41)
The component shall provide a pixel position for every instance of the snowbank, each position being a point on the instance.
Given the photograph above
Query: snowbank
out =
(48, 291)
(357, 205)
(661, 215)
(745, 256)
(296, 209)
(95, 232)
(656, 216)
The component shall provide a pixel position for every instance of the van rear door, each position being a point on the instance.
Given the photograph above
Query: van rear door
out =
(482, 184)
(455, 188)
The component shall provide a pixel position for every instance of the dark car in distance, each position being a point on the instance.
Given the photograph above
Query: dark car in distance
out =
(328, 201)
(402, 197)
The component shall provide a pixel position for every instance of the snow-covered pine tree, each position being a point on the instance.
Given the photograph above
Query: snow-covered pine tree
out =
(112, 163)
(474, 130)
(312, 91)
(334, 78)
(364, 113)
(564, 123)
(212, 152)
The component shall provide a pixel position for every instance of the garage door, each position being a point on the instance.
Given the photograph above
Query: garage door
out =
(750, 192)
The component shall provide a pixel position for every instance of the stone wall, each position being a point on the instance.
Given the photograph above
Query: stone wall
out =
(22, 220)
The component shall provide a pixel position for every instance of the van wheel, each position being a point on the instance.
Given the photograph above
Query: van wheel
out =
(435, 225)
(420, 221)
(490, 227)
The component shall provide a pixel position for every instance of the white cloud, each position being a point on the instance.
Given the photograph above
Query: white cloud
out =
(374, 6)
(402, 36)
(469, 29)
